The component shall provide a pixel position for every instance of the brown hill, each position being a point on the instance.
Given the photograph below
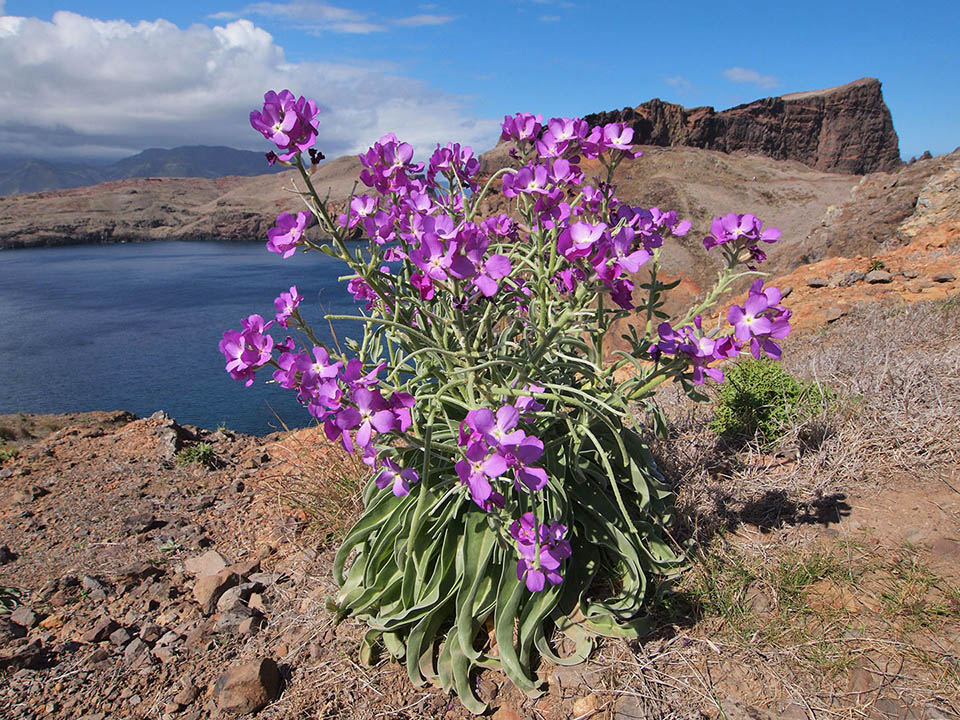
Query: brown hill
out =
(846, 129)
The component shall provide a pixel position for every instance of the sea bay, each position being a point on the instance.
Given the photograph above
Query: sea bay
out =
(136, 326)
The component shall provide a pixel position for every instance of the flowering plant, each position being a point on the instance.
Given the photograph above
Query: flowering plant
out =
(506, 478)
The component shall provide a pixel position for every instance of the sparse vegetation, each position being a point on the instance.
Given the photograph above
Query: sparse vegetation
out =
(6, 453)
(200, 454)
(760, 399)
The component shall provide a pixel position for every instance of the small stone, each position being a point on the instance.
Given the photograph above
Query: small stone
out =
(944, 277)
(208, 589)
(151, 632)
(910, 274)
(875, 277)
(852, 278)
(94, 589)
(120, 636)
(6, 555)
(135, 650)
(249, 626)
(247, 688)
(52, 622)
(835, 312)
(141, 523)
(210, 563)
(818, 282)
(24, 617)
(786, 291)
(98, 656)
(188, 693)
(586, 705)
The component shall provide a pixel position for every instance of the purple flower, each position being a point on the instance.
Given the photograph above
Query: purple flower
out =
(286, 304)
(541, 548)
(492, 271)
(498, 431)
(287, 122)
(477, 468)
(401, 480)
(577, 240)
(745, 229)
(284, 238)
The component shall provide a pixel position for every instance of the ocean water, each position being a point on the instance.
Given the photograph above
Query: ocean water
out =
(136, 326)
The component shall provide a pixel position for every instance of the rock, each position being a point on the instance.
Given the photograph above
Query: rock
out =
(6, 555)
(120, 637)
(135, 650)
(786, 291)
(944, 277)
(586, 705)
(208, 589)
(188, 693)
(256, 603)
(875, 277)
(102, 630)
(151, 633)
(249, 626)
(818, 282)
(835, 312)
(24, 617)
(94, 589)
(140, 523)
(842, 129)
(851, 278)
(164, 655)
(210, 563)
(139, 571)
(247, 688)
(910, 274)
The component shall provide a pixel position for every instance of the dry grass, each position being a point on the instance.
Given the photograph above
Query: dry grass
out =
(894, 371)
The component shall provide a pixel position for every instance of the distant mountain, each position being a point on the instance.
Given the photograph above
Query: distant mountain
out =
(20, 175)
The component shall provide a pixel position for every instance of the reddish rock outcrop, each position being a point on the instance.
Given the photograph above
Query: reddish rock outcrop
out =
(845, 129)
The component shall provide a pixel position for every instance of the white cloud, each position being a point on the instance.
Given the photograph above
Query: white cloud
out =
(317, 17)
(76, 85)
(752, 77)
(423, 20)
(680, 83)
(320, 17)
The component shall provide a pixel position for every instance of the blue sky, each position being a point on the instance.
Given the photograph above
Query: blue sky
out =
(107, 78)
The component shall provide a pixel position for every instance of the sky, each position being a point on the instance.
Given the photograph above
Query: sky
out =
(104, 79)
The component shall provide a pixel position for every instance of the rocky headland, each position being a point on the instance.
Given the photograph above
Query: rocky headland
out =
(846, 129)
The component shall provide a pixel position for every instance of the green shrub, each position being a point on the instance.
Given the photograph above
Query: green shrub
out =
(7, 453)
(760, 399)
(201, 453)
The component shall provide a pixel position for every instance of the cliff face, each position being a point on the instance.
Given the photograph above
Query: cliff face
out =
(846, 129)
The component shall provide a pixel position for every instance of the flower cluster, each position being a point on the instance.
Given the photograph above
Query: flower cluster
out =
(288, 234)
(761, 320)
(495, 445)
(287, 122)
(541, 549)
(248, 349)
(741, 232)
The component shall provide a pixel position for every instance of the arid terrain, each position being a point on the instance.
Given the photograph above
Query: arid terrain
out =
(150, 570)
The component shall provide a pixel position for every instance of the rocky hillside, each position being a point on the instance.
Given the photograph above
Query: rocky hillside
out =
(19, 175)
(846, 129)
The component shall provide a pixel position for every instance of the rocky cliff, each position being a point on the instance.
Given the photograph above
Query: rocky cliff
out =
(845, 129)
